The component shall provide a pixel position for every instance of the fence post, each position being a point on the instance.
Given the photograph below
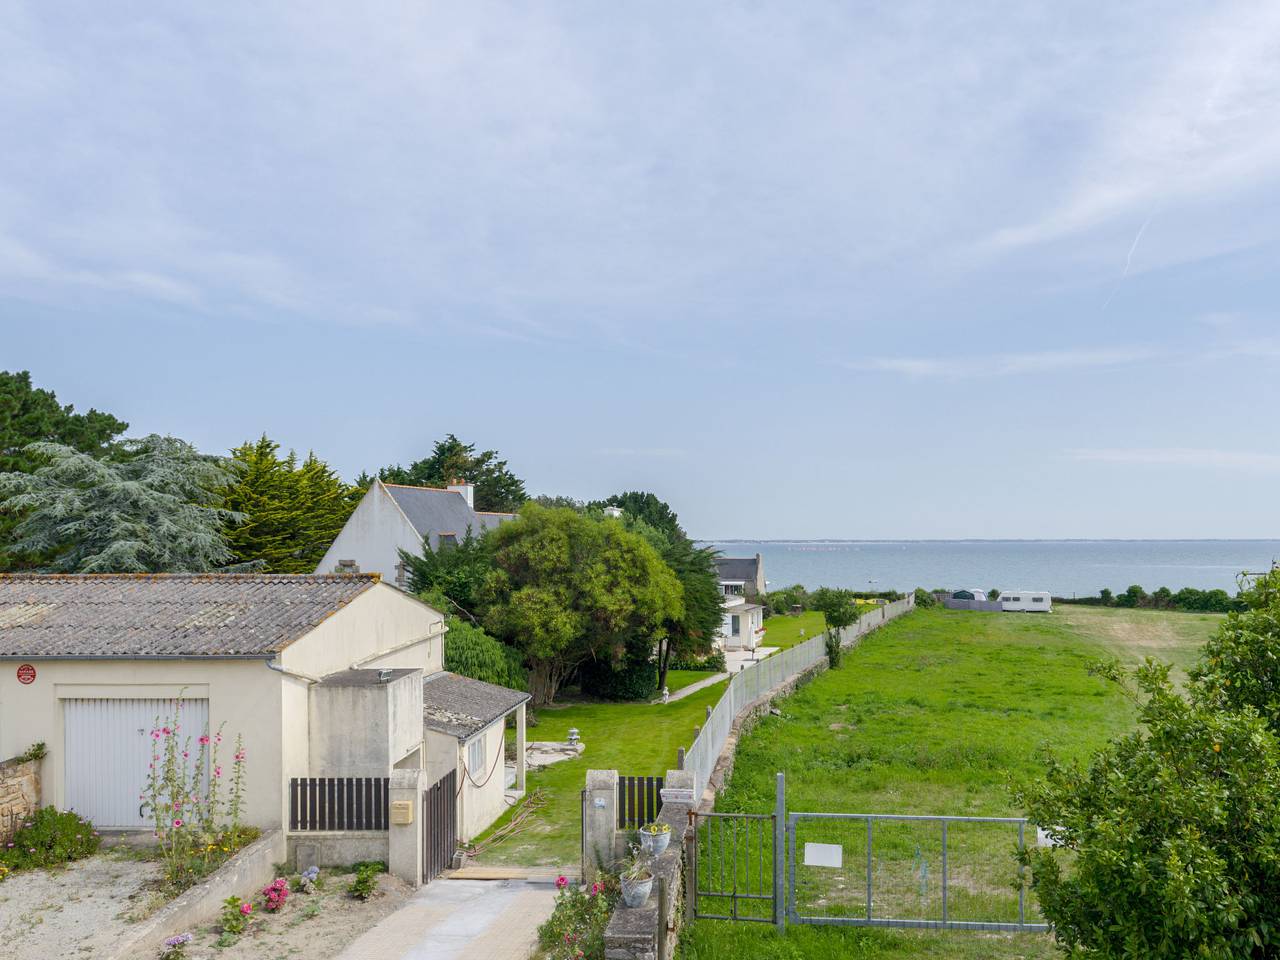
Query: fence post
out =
(779, 851)
(679, 758)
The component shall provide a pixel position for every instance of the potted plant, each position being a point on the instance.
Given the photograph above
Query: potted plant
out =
(654, 837)
(636, 878)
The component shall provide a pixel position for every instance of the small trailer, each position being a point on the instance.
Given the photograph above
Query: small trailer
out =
(1026, 601)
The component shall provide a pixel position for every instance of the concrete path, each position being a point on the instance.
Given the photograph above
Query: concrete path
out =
(693, 688)
(460, 920)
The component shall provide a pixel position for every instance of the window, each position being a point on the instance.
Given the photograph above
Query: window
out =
(733, 589)
(1015, 599)
(735, 625)
(447, 540)
(1037, 599)
(475, 756)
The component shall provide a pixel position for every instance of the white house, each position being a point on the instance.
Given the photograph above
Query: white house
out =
(740, 580)
(325, 677)
(392, 517)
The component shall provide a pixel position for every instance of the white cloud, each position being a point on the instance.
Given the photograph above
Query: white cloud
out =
(1005, 364)
(1179, 457)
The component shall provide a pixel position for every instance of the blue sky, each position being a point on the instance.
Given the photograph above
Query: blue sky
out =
(805, 270)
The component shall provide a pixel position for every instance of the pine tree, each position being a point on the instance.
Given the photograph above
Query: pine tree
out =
(291, 511)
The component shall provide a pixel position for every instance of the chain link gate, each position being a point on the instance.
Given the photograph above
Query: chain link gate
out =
(868, 870)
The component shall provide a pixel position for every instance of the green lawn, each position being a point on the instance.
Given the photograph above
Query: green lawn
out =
(633, 738)
(786, 631)
(935, 714)
(679, 679)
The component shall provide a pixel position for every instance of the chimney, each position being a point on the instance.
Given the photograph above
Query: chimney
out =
(468, 491)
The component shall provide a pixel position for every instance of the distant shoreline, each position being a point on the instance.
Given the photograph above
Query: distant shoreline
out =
(1001, 540)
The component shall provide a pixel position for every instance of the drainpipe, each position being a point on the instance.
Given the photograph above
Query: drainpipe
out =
(274, 664)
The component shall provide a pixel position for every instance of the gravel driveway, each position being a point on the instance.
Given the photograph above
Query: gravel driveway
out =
(69, 912)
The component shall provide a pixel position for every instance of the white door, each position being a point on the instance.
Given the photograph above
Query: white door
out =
(108, 747)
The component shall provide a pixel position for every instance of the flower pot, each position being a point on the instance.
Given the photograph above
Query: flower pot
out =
(636, 892)
(654, 843)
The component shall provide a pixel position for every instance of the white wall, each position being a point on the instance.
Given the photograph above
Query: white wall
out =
(380, 619)
(373, 537)
(243, 694)
(481, 805)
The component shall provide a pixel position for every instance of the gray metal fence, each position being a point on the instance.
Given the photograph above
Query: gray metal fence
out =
(753, 682)
(901, 870)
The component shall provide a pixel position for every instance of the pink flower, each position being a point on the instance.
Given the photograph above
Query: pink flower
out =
(595, 888)
(204, 740)
(185, 755)
(166, 731)
(217, 738)
(246, 908)
(177, 823)
(562, 882)
(217, 771)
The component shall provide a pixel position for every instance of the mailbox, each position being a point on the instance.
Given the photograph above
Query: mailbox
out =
(401, 812)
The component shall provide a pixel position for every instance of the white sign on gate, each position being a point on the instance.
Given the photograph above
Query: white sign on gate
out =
(823, 855)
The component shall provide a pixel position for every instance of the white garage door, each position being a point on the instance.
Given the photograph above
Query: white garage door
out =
(108, 754)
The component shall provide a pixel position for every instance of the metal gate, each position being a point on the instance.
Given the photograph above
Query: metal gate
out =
(439, 826)
(737, 864)
(901, 870)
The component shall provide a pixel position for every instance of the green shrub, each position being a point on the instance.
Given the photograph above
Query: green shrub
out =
(37, 751)
(235, 916)
(575, 929)
(713, 662)
(471, 652)
(834, 650)
(633, 679)
(50, 837)
(924, 598)
(365, 884)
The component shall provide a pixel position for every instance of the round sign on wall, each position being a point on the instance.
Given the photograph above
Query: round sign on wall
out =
(26, 673)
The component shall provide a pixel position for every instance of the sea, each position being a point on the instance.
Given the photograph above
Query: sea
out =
(1066, 568)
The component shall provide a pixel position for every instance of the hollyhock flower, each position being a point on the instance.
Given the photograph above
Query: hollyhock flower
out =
(177, 823)
(204, 739)
(562, 882)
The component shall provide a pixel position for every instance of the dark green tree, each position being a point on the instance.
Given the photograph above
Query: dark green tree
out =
(155, 507)
(567, 589)
(292, 511)
(30, 415)
(1239, 668)
(647, 507)
(453, 576)
(497, 489)
(471, 652)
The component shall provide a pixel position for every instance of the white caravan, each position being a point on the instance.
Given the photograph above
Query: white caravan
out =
(1026, 601)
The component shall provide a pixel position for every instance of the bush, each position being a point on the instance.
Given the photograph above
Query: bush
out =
(1164, 846)
(37, 751)
(633, 679)
(780, 601)
(365, 884)
(471, 652)
(713, 662)
(575, 929)
(924, 598)
(834, 650)
(50, 837)
(235, 916)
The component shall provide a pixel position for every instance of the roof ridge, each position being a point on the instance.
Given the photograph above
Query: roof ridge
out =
(414, 486)
(210, 576)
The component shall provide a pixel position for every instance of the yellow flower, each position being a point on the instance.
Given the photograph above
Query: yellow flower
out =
(1217, 748)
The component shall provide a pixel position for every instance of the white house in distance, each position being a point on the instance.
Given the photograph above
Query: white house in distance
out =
(333, 681)
(392, 517)
(741, 580)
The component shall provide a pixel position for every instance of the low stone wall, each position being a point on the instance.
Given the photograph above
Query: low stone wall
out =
(19, 794)
(336, 849)
(650, 931)
(243, 875)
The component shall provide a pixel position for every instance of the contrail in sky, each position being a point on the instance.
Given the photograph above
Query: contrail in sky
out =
(1128, 261)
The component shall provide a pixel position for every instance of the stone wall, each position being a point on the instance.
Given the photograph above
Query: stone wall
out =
(19, 794)
(650, 931)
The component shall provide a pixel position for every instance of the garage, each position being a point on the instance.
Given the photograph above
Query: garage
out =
(108, 754)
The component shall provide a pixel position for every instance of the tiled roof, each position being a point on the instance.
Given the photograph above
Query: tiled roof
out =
(460, 707)
(737, 568)
(435, 511)
(166, 615)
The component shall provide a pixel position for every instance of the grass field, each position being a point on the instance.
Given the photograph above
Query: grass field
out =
(632, 738)
(679, 679)
(786, 631)
(936, 714)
